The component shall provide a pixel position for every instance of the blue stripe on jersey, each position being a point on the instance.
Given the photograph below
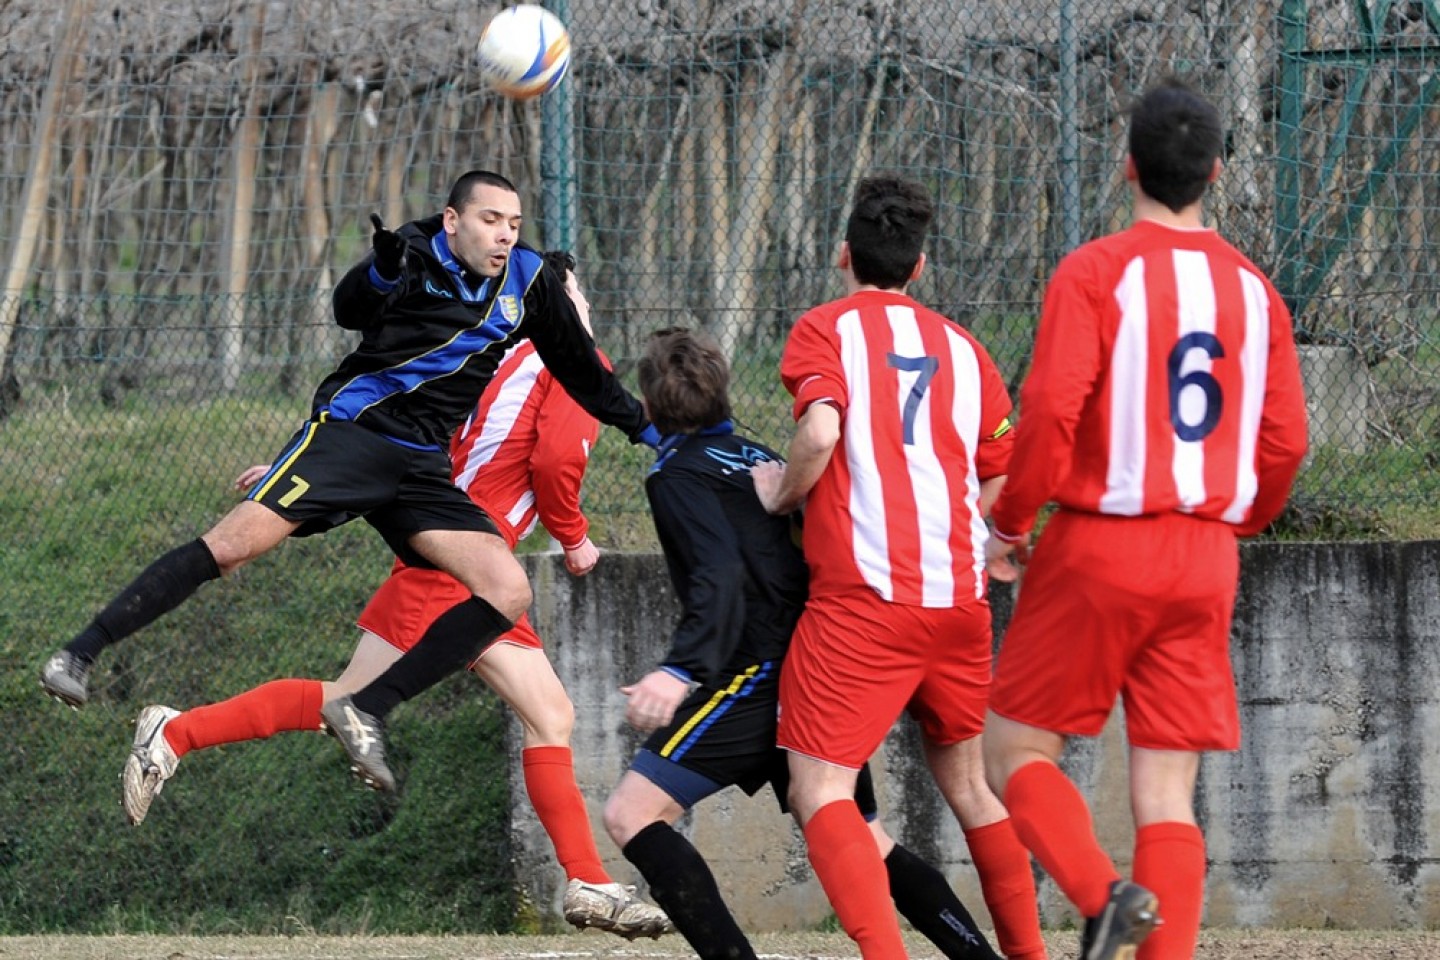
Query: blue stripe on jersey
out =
(368, 389)
(718, 710)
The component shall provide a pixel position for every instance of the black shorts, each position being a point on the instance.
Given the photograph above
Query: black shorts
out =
(724, 735)
(333, 471)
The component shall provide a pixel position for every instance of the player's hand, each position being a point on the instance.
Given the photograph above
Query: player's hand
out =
(389, 249)
(1004, 560)
(653, 700)
(251, 476)
(768, 476)
(581, 559)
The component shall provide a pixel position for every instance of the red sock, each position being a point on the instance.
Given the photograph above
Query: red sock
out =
(1170, 863)
(550, 782)
(1051, 818)
(1009, 889)
(847, 862)
(268, 709)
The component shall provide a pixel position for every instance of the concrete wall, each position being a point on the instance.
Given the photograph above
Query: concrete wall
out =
(1329, 814)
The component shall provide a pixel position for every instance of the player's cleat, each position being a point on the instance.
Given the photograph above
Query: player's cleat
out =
(150, 764)
(363, 737)
(66, 678)
(1130, 915)
(616, 908)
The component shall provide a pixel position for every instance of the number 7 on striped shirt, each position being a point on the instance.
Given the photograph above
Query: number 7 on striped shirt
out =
(924, 366)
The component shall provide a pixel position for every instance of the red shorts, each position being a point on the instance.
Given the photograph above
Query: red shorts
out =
(1137, 607)
(411, 598)
(857, 662)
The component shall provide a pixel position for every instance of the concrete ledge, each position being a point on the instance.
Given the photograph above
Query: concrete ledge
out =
(1329, 815)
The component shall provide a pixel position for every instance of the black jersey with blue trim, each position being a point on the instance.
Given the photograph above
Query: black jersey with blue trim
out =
(739, 572)
(431, 341)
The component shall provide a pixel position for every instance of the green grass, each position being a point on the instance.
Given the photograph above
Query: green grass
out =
(1385, 493)
(251, 837)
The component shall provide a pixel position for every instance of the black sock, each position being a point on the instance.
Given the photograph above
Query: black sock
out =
(454, 640)
(682, 884)
(923, 897)
(160, 588)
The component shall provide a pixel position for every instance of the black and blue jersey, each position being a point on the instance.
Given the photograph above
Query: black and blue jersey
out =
(431, 341)
(740, 576)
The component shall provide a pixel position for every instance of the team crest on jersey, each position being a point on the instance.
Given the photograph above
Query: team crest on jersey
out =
(509, 307)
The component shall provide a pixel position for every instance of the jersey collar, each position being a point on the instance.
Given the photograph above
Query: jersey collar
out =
(440, 246)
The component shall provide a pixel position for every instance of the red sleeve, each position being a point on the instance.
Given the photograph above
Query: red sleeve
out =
(997, 436)
(810, 367)
(1062, 376)
(1284, 435)
(557, 464)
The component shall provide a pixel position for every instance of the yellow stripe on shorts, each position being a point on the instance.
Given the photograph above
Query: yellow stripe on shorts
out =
(719, 697)
(277, 472)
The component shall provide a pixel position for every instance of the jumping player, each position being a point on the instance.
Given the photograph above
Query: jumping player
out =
(741, 580)
(437, 304)
(521, 456)
(902, 441)
(1163, 413)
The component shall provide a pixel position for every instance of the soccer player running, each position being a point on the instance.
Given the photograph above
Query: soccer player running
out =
(521, 456)
(437, 304)
(1163, 413)
(901, 443)
(742, 581)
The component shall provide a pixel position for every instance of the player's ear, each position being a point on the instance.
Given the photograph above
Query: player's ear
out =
(1215, 170)
(450, 218)
(919, 268)
(1131, 173)
(842, 259)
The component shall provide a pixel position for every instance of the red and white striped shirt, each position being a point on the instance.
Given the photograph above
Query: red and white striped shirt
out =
(1165, 378)
(924, 415)
(522, 453)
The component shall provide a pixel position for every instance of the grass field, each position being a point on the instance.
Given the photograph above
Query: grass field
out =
(1214, 945)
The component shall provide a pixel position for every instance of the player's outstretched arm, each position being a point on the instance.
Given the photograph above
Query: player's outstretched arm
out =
(361, 295)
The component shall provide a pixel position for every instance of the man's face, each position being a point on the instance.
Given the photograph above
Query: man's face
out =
(482, 233)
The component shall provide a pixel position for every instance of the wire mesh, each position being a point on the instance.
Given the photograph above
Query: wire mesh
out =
(181, 184)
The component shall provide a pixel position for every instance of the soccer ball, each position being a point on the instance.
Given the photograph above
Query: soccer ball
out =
(524, 51)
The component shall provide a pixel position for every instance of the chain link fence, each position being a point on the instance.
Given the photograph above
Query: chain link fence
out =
(181, 184)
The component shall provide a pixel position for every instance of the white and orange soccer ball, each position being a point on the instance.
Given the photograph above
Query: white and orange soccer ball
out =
(524, 51)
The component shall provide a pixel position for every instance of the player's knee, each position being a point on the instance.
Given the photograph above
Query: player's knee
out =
(616, 818)
(517, 601)
(510, 596)
(552, 724)
(802, 802)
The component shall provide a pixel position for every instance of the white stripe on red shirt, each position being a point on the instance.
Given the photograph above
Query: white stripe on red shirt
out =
(897, 508)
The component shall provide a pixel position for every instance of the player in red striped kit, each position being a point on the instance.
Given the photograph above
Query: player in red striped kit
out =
(1163, 414)
(902, 440)
(521, 456)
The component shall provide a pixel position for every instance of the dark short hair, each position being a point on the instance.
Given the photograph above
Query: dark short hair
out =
(685, 380)
(887, 228)
(465, 185)
(1175, 139)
